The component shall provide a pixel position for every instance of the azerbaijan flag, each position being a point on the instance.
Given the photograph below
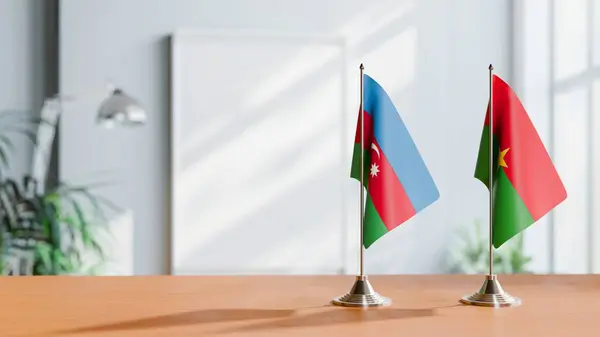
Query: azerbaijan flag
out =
(397, 181)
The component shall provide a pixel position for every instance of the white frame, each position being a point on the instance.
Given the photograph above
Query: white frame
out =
(176, 38)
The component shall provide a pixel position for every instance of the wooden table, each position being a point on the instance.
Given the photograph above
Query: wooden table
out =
(292, 306)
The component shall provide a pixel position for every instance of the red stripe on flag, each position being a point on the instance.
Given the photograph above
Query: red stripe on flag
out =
(386, 191)
(368, 130)
(529, 167)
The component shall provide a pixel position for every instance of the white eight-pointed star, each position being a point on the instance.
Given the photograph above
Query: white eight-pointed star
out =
(374, 170)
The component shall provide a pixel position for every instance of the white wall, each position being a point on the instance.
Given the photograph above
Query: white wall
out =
(431, 54)
(22, 67)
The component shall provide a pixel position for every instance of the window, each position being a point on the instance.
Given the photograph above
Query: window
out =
(557, 75)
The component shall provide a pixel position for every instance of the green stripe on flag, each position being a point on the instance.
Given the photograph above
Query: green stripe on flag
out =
(355, 170)
(373, 225)
(482, 168)
(511, 216)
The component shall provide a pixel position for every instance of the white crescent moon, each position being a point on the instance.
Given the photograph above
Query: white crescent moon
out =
(374, 147)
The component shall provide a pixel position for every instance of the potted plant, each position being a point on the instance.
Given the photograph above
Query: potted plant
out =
(471, 255)
(52, 232)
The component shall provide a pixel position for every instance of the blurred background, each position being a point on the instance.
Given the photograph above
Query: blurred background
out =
(240, 164)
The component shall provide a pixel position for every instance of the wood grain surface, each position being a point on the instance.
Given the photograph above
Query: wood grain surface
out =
(292, 306)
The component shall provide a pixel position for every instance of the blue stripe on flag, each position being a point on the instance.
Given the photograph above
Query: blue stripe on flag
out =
(398, 146)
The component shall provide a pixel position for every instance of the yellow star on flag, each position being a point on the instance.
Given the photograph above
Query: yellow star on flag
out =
(501, 161)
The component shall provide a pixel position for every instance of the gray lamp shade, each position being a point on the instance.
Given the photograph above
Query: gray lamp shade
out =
(121, 109)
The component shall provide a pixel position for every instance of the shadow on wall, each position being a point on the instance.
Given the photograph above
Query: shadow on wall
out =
(424, 57)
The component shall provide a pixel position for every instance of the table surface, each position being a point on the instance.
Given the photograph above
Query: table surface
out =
(423, 305)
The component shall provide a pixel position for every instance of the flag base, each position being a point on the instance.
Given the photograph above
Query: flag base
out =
(491, 294)
(361, 295)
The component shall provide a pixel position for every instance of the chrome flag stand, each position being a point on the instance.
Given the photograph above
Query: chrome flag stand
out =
(491, 293)
(362, 293)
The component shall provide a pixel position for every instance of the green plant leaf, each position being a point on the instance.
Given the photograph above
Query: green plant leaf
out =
(63, 231)
(97, 247)
(55, 229)
(79, 214)
(60, 262)
(97, 202)
(472, 254)
(72, 227)
(44, 255)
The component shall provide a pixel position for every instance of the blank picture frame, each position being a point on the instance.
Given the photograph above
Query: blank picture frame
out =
(261, 141)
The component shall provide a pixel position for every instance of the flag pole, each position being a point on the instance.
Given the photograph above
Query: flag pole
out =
(491, 293)
(491, 170)
(362, 293)
(362, 171)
